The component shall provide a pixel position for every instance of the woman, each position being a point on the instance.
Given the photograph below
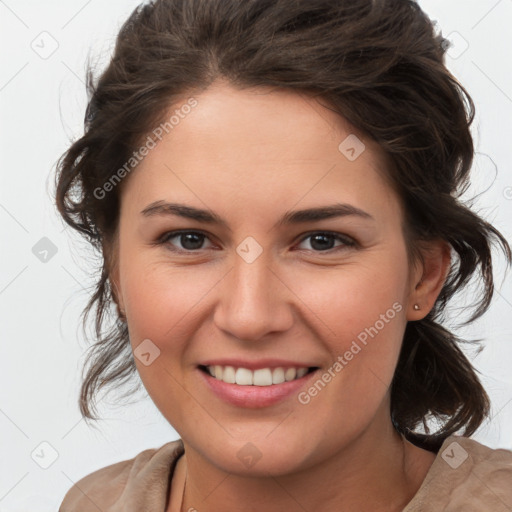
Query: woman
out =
(273, 187)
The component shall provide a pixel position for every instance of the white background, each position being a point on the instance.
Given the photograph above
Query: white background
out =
(42, 104)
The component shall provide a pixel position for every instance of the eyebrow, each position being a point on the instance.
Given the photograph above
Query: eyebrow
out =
(293, 217)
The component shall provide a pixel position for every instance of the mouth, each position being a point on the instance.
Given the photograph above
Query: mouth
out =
(258, 388)
(261, 377)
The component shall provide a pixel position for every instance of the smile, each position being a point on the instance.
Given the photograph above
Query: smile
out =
(261, 387)
(259, 377)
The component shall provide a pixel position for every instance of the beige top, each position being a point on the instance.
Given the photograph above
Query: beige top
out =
(466, 476)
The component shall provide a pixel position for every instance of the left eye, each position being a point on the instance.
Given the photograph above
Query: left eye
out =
(321, 241)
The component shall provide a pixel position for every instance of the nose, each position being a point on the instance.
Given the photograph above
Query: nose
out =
(253, 301)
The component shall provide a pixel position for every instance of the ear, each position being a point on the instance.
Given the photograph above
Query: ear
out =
(110, 255)
(116, 292)
(428, 278)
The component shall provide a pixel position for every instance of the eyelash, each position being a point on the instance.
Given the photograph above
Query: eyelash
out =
(347, 241)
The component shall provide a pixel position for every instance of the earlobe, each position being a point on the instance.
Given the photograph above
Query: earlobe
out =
(436, 260)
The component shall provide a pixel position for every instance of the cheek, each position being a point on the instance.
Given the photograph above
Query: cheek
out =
(163, 305)
(161, 300)
(361, 310)
(351, 297)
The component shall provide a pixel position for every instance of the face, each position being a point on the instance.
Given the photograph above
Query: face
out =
(248, 284)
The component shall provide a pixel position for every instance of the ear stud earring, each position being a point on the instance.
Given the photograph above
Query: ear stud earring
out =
(416, 307)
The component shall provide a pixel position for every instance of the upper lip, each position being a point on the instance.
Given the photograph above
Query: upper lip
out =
(255, 365)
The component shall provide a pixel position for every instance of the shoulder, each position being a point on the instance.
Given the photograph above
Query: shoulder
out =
(114, 484)
(466, 475)
(479, 452)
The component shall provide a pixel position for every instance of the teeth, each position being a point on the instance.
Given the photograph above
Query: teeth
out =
(278, 376)
(243, 377)
(290, 374)
(260, 377)
(229, 375)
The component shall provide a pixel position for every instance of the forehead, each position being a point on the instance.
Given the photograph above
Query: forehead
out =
(281, 122)
(252, 145)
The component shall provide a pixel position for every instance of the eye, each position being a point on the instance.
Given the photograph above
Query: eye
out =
(321, 241)
(191, 241)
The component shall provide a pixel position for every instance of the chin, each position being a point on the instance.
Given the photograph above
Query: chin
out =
(256, 455)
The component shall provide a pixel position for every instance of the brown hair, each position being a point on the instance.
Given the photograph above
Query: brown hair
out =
(380, 64)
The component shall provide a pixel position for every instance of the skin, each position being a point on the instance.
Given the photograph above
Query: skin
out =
(250, 156)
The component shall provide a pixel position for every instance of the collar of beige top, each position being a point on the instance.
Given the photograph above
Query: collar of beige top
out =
(178, 483)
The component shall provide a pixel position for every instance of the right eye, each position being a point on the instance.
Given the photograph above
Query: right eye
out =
(191, 241)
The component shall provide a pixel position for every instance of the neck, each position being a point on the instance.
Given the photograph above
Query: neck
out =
(379, 471)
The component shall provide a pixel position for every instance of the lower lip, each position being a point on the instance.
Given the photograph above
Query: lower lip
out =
(253, 397)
